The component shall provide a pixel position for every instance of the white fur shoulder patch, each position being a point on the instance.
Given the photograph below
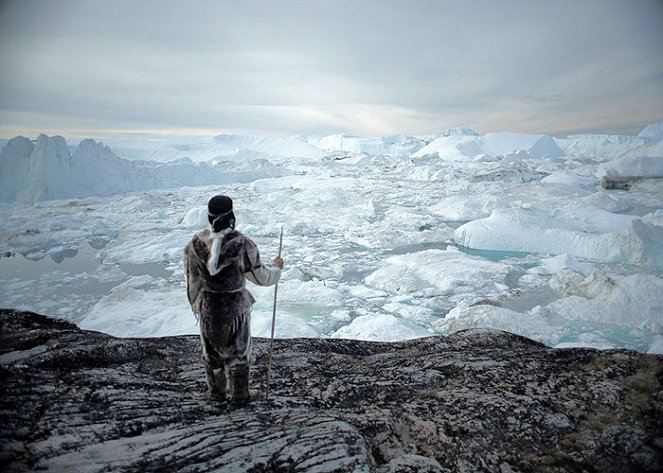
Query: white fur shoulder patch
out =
(215, 252)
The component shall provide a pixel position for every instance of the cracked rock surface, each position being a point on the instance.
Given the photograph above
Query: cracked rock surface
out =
(478, 400)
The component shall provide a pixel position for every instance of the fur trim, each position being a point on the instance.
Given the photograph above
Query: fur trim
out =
(215, 251)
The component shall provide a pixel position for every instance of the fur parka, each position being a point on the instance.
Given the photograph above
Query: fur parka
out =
(216, 267)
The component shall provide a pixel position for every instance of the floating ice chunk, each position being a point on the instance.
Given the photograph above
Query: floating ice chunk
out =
(151, 248)
(634, 301)
(537, 146)
(341, 315)
(465, 207)
(656, 347)
(488, 316)
(139, 308)
(408, 311)
(377, 327)
(643, 244)
(566, 333)
(569, 178)
(58, 254)
(196, 217)
(633, 166)
(617, 202)
(294, 290)
(364, 293)
(300, 303)
(596, 286)
(655, 149)
(440, 272)
(605, 146)
(581, 232)
(587, 339)
(425, 172)
(565, 261)
(286, 326)
(565, 281)
(452, 148)
(653, 131)
(655, 218)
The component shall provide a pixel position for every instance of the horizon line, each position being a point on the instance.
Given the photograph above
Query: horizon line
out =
(175, 134)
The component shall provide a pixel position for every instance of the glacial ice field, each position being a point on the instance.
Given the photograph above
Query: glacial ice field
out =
(384, 239)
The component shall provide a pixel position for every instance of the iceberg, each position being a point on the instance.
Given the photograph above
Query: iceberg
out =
(608, 147)
(633, 301)
(532, 145)
(377, 327)
(653, 131)
(452, 148)
(602, 312)
(582, 232)
(393, 145)
(46, 170)
(492, 145)
(633, 167)
(138, 307)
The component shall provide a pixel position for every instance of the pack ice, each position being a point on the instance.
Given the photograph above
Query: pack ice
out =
(386, 238)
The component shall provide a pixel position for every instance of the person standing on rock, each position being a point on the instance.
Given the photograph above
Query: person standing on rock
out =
(217, 262)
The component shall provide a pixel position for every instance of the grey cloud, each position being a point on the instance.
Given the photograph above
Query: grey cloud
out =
(416, 65)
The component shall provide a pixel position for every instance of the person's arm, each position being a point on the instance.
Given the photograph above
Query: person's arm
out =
(259, 273)
(192, 274)
(264, 275)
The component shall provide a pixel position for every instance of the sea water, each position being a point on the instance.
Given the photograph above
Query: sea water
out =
(65, 282)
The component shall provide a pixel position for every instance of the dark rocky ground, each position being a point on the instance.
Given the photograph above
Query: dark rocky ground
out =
(478, 400)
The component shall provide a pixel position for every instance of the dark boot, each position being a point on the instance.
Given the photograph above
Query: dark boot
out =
(239, 385)
(216, 383)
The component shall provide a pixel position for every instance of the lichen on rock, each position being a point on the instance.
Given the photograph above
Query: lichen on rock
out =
(478, 400)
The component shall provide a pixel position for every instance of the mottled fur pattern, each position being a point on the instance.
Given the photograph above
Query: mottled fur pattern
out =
(221, 301)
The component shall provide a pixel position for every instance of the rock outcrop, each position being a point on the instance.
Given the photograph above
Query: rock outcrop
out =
(477, 400)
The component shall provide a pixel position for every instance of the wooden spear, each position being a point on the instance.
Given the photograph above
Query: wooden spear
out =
(271, 341)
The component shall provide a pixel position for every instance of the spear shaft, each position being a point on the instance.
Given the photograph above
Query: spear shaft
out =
(271, 341)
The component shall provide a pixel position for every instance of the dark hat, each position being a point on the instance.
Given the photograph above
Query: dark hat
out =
(220, 213)
(219, 204)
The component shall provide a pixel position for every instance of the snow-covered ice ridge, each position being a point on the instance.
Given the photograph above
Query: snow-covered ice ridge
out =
(386, 238)
(46, 169)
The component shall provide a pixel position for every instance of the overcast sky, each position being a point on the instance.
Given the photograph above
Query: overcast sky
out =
(198, 68)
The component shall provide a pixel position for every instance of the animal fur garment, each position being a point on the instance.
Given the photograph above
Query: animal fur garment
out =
(216, 267)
